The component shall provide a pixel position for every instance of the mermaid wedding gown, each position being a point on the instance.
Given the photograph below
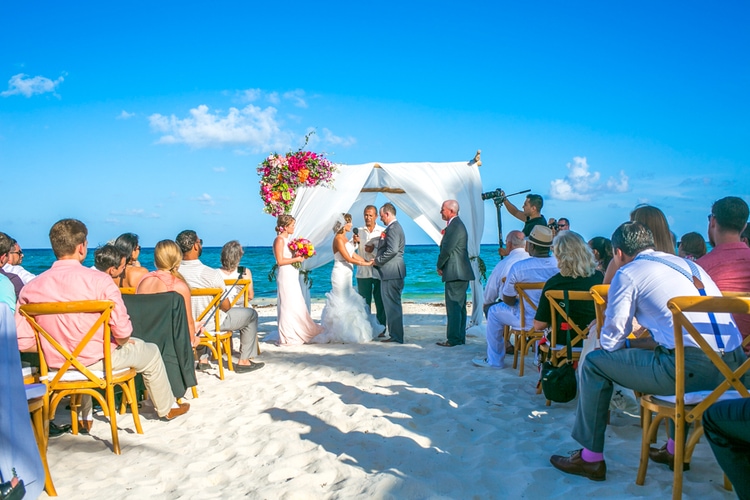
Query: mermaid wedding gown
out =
(345, 318)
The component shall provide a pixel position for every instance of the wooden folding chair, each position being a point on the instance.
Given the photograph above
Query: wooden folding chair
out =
(212, 337)
(73, 378)
(554, 353)
(655, 410)
(525, 336)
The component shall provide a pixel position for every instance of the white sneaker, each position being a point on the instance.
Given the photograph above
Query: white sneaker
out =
(484, 364)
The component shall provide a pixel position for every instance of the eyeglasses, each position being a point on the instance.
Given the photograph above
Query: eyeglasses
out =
(562, 225)
(201, 242)
(138, 247)
(709, 216)
(16, 253)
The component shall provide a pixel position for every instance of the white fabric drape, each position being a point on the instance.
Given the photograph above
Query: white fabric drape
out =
(426, 186)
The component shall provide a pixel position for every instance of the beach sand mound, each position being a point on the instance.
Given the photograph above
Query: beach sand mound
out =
(356, 421)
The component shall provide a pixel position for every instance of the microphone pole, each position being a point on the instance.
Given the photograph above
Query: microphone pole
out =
(498, 204)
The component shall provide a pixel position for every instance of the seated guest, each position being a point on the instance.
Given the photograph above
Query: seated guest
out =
(167, 278)
(244, 319)
(728, 263)
(540, 267)
(108, 259)
(67, 280)
(602, 249)
(515, 243)
(745, 236)
(15, 259)
(6, 243)
(7, 293)
(692, 246)
(577, 273)
(726, 425)
(645, 281)
(231, 254)
(128, 245)
(656, 222)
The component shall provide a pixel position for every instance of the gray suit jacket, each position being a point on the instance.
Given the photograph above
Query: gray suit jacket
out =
(453, 260)
(389, 262)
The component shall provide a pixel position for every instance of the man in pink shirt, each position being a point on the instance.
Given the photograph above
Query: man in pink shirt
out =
(728, 263)
(68, 280)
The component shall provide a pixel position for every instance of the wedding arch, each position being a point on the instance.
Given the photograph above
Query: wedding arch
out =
(416, 189)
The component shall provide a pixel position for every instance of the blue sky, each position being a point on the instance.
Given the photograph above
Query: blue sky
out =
(151, 117)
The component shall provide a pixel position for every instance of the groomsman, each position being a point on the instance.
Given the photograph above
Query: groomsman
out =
(391, 270)
(454, 267)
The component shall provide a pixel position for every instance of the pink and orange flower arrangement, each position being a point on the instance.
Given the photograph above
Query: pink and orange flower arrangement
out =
(281, 176)
(301, 247)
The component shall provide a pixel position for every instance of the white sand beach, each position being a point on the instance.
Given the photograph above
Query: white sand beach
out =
(362, 421)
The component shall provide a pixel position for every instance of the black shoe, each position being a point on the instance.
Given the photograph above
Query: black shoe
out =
(662, 456)
(58, 430)
(238, 368)
(203, 367)
(574, 464)
(448, 344)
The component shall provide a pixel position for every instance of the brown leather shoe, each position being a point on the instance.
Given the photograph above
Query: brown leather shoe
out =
(84, 426)
(574, 464)
(176, 412)
(662, 456)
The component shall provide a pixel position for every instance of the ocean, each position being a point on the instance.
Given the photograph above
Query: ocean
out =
(422, 282)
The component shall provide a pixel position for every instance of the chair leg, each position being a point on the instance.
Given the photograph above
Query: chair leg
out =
(195, 392)
(37, 419)
(727, 483)
(220, 359)
(679, 457)
(110, 401)
(645, 443)
(228, 350)
(134, 406)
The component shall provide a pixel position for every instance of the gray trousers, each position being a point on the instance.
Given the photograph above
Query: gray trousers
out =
(369, 288)
(244, 319)
(390, 291)
(650, 372)
(455, 306)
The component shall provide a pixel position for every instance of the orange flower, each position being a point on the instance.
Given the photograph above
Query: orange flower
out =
(275, 196)
(303, 174)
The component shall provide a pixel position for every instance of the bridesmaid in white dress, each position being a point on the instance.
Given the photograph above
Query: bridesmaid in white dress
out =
(345, 318)
(295, 324)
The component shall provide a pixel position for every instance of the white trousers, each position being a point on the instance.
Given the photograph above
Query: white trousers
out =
(498, 316)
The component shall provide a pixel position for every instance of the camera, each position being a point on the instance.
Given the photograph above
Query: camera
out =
(553, 225)
(241, 271)
(491, 195)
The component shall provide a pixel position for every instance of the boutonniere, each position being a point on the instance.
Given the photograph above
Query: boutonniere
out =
(442, 232)
(382, 235)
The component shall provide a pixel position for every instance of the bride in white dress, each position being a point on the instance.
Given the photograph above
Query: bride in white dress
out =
(345, 318)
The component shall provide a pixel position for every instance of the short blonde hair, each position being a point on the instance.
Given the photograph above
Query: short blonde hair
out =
(574, 257)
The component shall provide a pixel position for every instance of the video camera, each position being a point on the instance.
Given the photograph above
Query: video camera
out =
(491, 195)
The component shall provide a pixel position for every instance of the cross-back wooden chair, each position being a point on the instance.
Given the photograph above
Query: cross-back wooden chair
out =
(243, 286)
(654, 410)
(554, 353)
(212, 337)
(525, 336)
(73, 378)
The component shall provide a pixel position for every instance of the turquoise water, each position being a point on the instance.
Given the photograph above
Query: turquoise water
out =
(422, 282)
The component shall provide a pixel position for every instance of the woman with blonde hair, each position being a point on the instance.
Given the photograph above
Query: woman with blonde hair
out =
(345, 318)
(577, 273)
(167, 278)
(296, 326)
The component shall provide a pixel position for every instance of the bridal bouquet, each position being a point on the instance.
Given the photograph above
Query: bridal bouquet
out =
(282, 175)
(301, 247)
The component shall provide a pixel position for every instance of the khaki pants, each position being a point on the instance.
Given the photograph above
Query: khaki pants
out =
(146, 359)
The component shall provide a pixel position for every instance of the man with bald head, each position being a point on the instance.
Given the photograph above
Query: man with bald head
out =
(454, 267)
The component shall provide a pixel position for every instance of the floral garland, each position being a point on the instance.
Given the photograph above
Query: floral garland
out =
(281, 176)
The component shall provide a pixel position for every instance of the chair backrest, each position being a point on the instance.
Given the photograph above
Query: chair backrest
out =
(732, 378)
(578, 334)
(599, 293)
(212, 307)
(524, 300)
(243, 287)
(46, 341)
(127, 290)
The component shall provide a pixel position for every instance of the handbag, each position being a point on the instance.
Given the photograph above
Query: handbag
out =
(559, 382)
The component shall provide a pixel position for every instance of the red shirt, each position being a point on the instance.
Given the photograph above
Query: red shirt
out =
(67, 280)
(729, 266)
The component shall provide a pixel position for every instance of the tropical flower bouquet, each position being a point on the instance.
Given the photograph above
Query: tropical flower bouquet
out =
(281, 176)
(301, 247)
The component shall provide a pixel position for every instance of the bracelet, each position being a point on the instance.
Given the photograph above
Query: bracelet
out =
(627, 343)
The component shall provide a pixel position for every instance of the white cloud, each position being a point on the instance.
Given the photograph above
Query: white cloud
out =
(583, 185)
(297, 97)
(205, 199)
(124, 115)
(273, 97)
(250, 126)
(27, 86)
(330, 138)
(251, 95)
(220, 170)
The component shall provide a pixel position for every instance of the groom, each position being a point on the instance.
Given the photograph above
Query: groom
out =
(390, 270)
